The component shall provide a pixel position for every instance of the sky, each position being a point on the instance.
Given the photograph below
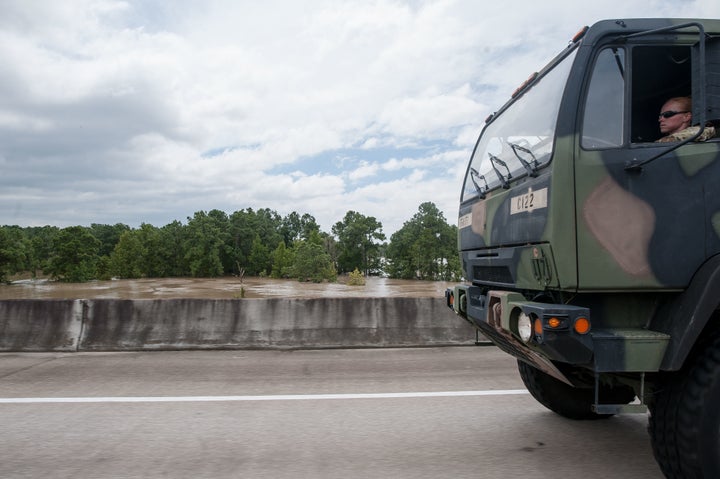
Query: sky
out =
(147, 111)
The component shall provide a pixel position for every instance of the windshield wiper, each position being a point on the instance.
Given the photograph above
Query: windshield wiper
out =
(531, 168)
(505, 181)
(481, 192)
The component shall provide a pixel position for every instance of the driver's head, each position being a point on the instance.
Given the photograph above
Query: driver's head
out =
(675, 115)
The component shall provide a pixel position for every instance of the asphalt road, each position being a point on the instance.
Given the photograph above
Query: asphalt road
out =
(461, 412)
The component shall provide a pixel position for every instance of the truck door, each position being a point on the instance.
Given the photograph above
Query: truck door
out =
(642, 228)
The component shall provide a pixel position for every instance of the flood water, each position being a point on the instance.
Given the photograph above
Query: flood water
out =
(219, 288)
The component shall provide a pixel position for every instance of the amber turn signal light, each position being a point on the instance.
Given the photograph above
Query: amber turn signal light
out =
(537, 327)
(581, 33)
(582, 325)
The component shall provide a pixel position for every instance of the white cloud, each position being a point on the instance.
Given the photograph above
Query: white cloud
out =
(365, 170)
(431, 113)
(21, 121)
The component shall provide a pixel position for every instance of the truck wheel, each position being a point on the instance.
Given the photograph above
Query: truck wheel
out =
(569, 401)
(685, 418)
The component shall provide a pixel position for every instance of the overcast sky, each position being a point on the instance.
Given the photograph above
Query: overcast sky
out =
(150, 110)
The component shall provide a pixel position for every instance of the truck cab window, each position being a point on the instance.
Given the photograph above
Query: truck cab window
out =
(659, 72)
(603, 123)
(519, 141)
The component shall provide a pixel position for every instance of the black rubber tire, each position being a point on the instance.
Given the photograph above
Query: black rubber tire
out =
(566, 400)
(685, 418)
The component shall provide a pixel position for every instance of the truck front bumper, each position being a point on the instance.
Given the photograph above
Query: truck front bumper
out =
(543, 334)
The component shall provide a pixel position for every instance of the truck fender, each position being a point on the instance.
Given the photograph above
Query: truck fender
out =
(687, 315)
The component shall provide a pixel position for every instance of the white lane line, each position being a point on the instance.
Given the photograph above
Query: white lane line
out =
(281, 397)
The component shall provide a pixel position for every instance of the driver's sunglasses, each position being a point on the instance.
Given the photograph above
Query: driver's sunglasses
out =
(671, 113)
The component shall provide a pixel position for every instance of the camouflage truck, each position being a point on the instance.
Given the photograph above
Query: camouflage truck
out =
(591, 252)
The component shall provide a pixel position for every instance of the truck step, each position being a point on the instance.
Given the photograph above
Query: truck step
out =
(619, 408)
(628, 350)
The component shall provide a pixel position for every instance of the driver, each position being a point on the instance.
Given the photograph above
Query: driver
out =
(675, 119)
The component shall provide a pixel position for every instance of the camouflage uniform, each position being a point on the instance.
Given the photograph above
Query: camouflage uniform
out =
(688, 132)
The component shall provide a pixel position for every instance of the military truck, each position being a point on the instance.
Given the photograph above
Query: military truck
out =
(591, 252)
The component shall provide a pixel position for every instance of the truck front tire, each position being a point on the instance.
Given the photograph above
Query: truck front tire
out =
(569, 401)
(685, 417)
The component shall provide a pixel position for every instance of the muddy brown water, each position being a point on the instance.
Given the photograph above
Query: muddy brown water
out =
(219, 288)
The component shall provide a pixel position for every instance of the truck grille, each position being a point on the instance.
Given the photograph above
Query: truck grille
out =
(493, 274)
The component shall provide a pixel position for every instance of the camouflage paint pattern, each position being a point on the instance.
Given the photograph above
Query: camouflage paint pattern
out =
(588, 232)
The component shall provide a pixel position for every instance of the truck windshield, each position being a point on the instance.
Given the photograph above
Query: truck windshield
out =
(520, 140)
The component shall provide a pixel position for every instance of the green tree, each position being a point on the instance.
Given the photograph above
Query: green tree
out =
(14, 248)
(267, 226)
(295, 227)
(245, 225)
(290, 228)
(42, 240)
(357, 243)
(203, 245)
(356, 278)
(312, 262)
(153, 261)
(103, 268)
(221, 222)
(400, 254)
(329, 244)
(259, 262)
(126, 260)
(424, 248)
(241, 236)
(75, 255)
(108, 236)
(283, 259)
(171, 250)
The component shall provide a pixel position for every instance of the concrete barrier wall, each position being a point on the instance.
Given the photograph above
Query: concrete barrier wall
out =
(123, 325)
(47, 325)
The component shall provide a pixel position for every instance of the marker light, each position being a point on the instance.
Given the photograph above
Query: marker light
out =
(580, 34)
(553, 322)
(525, 84)
(537, 325)
(524, 326)
(582, 325)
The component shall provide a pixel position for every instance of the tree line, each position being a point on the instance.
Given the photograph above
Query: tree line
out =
(246, 242)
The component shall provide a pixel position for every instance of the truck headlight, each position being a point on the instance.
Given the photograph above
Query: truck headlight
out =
(525, 327)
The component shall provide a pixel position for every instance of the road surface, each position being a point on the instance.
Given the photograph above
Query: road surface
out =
(365, 413)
